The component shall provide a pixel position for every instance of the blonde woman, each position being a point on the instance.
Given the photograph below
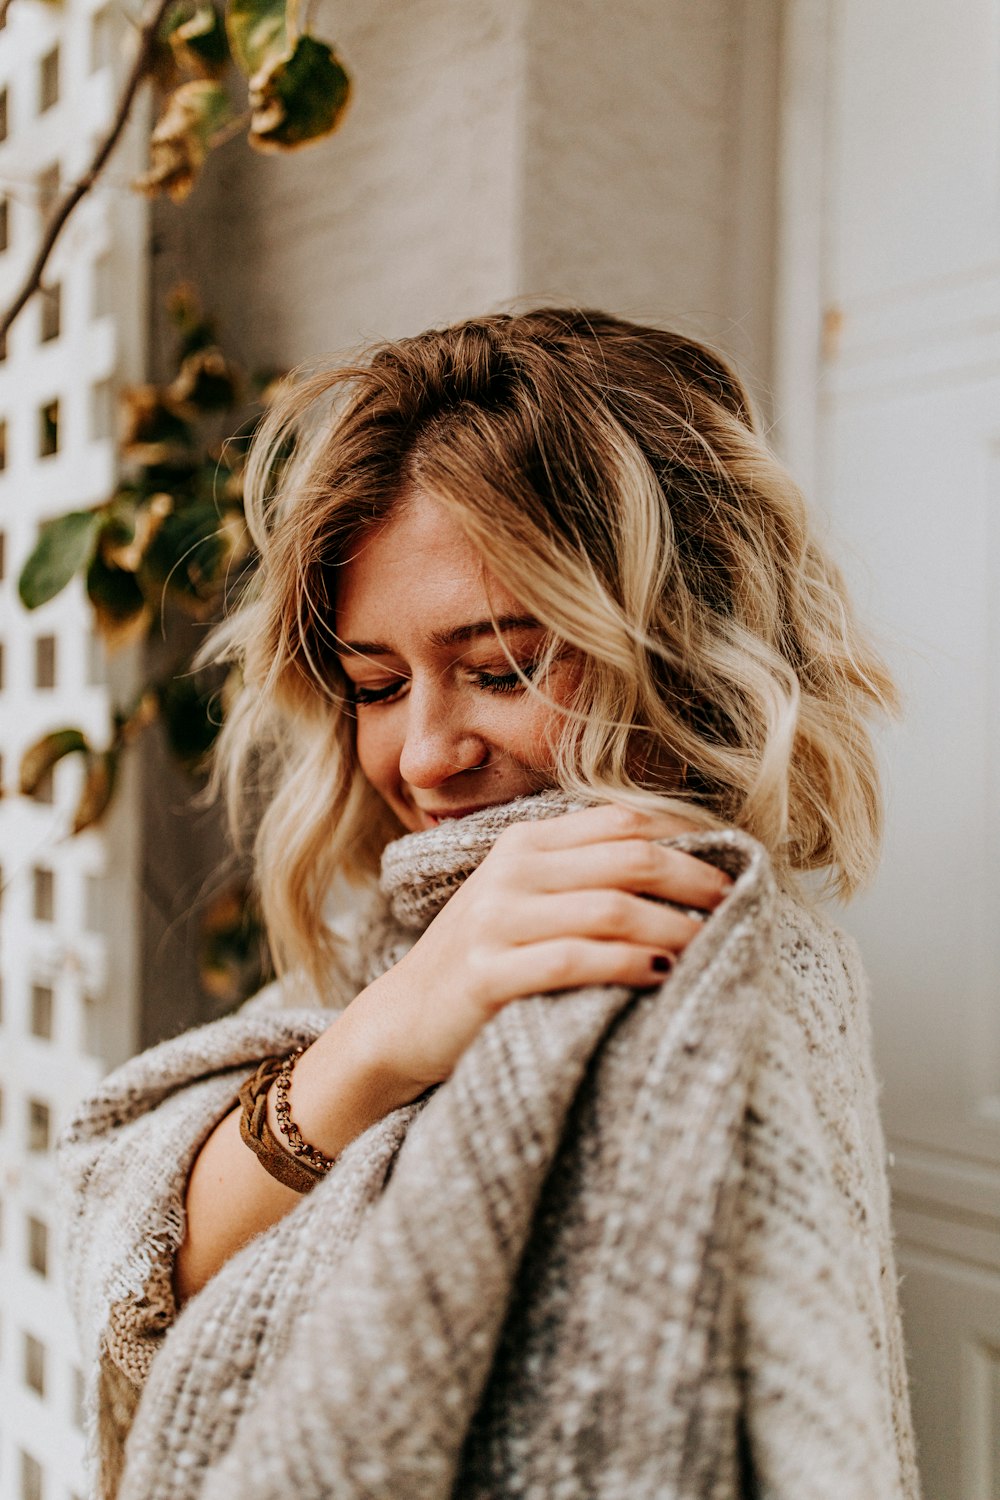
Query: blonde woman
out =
(563, 1177)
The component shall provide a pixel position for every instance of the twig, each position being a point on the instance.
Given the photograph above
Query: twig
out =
(57, 220)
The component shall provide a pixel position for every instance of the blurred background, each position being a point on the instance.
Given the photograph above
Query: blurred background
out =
(811, 185)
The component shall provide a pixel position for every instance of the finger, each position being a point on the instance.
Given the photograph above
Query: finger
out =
(640, 866)
(593, 825)
(569, 963)
(605, 915)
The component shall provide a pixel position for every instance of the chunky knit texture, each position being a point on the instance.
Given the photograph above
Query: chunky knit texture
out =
(637, 1246)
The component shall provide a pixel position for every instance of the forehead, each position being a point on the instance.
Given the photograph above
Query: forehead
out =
(415, 570)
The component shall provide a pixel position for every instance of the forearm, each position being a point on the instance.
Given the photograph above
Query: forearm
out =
(339, 1089)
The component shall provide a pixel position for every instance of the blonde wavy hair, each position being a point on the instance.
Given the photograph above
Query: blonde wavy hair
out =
(617, 479)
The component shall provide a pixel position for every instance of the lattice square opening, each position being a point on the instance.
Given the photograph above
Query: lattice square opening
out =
(45, 661)
(37, 1246)
(51, 312)
(39, 1125)
(48, 80)
(31, 1477)
(43, 894)
(48, 429)
(34, 1364)
(47, 190)
(42, 1007)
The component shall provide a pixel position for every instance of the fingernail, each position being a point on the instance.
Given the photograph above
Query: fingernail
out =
(661, 964)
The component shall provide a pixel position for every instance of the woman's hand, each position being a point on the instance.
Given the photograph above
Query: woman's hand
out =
(556, 904)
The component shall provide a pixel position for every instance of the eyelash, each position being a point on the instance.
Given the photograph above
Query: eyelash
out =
(506, 682)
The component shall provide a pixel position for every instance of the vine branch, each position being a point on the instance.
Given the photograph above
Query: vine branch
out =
(141, 67)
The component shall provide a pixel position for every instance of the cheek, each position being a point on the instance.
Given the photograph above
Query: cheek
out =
(377, 748)
(537, 726)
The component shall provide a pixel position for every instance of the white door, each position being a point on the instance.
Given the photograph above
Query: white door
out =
(888, 402)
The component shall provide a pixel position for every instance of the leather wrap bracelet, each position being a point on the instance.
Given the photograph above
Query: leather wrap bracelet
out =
(298, 1165)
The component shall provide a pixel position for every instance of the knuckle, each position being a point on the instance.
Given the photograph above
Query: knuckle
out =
(627, 820)
(644, 858)
(616, 911)
(516, 836)
(690, 928)
(561, 965)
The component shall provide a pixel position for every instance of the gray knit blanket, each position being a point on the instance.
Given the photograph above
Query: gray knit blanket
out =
(637, 1246)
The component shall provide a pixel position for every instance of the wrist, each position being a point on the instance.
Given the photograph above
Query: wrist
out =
(340, 1086)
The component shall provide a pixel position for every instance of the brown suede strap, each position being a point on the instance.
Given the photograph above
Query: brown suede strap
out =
(256, 1133)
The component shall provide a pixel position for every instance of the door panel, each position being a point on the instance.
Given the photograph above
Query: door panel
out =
(907, 462)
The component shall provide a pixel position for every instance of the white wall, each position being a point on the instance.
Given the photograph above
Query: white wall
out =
(889, 394)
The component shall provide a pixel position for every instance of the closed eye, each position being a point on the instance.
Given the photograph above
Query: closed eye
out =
(505, 682)
(490, 682)
(362, 695)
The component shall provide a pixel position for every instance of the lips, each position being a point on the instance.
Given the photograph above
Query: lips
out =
(444, 815)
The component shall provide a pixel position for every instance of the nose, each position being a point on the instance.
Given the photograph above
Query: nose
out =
(438, 741)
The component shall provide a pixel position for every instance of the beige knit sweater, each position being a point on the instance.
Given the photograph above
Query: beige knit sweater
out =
(636, 1248)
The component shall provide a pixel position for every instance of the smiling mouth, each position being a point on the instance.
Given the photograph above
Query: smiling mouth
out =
(445, 816)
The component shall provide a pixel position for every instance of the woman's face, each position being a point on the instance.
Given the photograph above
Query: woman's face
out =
(444, 727)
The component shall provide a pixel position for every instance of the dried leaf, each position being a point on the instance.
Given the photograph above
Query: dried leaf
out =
(199, 42)
(298, 98)
(129, 725)
(63, 547)
(193, 115)
(125, 540)
(121, 611)
(154, 432)
(206, 381)
(98, 789)
(258, 32)
(185, 312)
(39, 758)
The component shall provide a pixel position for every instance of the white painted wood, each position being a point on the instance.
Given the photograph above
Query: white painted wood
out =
(890, 374)
(90, 965)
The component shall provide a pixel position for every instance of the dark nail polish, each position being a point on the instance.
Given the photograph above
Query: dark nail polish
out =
(662, 964)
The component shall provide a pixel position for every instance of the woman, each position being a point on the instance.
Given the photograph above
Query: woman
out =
(539, 632)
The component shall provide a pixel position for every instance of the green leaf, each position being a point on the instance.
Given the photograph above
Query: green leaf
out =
(187, 553)
(258, 32)
(39, 758)
(63, 547)
(298, 98)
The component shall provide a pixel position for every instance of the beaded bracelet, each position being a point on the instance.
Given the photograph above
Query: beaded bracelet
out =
(310, 1156)
(290, 1166)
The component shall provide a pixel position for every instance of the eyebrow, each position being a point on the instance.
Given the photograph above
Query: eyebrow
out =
(443, 638)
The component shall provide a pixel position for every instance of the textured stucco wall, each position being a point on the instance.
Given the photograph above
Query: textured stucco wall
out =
(498, 150)
(407, 216)
(495, 152)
